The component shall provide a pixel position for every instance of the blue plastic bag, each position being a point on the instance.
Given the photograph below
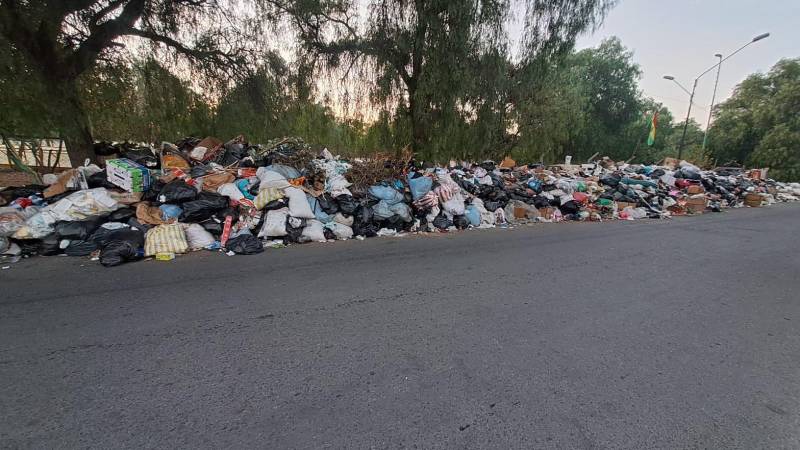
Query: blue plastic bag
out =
(319, 213)
(419, 186)
(473, 215)
(287, 171)
(386, 193)
(170, 211)
(242, 185)
(382, 210)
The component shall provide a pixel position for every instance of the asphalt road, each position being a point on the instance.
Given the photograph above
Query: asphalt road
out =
(667, 334)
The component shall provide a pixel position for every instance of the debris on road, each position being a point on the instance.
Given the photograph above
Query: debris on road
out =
(239, 198)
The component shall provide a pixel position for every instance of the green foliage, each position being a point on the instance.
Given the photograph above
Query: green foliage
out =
(759, 124)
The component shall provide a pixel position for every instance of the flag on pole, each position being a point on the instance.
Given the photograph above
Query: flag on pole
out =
(651, 139)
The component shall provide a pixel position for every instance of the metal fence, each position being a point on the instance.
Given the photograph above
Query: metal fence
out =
(51, 152)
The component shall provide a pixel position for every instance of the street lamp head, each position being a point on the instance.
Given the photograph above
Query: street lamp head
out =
(760, 37)
(718, 55)
(669, 77)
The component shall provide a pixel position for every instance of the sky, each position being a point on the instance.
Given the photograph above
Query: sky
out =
(680, 38)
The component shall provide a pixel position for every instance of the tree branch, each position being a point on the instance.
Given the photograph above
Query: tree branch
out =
(218, 55)
(101, 36)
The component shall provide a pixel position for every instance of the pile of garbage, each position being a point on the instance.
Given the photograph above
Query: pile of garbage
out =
(240, 198)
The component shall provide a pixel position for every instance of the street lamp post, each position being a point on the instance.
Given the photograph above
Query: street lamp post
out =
(688, 113)
(713, 97)
(717, 66)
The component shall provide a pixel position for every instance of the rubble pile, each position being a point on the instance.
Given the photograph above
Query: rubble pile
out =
(239, 198)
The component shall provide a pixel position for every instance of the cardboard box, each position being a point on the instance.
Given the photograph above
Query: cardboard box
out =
(128, 175)
(520, 213)
(507, 163)
(753, 200)
(126, 198)
(547, 213)
(695, 189)
(623, 205)
(696, 205)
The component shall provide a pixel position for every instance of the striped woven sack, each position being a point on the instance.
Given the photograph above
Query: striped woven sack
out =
(165, 239)
(267, 195)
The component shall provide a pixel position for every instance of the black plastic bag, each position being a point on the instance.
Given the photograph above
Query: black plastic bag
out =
(226, 158)
(103, 236)
(393, 223)
(198, 171)
(151, 195)
(276, 204)
(124, 246)
(78, 230)
(49, 245)
(122, 215)
(29, 247)
(293, 233)
(442, 222)
(365, 229)
(328, 204)
(540, 201)
(461, 222)
(23, 191)
(488, 166)
(610, 180)
(206, 205)
(100, 179)
(213, 227)
(104, 148)
(364, 215)
(490, 206)
(133, 222)
(570, 208)
(347, 204)
(80, 248)
(177, 191)
(245, 244)
(143, 156)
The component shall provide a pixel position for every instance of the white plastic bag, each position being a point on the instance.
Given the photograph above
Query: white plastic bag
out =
(341, 231)
(231, 191)
(37, 226)
(298, 205)
(197, 237)
(11, 220)
(274, 223)
(314, 231)
(83, 204)
(340, 218)
(338, 185)
(270, 179)
(455, 205)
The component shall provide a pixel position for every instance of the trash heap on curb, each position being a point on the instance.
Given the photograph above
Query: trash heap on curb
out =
(240, 198)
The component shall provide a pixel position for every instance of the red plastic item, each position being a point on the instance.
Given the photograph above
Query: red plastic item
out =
(226, 230)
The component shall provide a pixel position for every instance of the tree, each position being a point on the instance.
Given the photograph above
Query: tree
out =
(582, 105)
(759, 123)
(421, 55)
(59, 41)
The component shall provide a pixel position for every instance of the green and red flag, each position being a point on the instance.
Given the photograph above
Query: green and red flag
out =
(651, 139)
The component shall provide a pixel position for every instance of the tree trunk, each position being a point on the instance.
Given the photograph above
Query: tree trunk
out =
(77, 129)
(75, 125)
(415, 113)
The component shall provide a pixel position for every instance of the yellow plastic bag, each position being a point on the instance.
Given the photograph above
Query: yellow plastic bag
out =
(267, 195)
(165, 239)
